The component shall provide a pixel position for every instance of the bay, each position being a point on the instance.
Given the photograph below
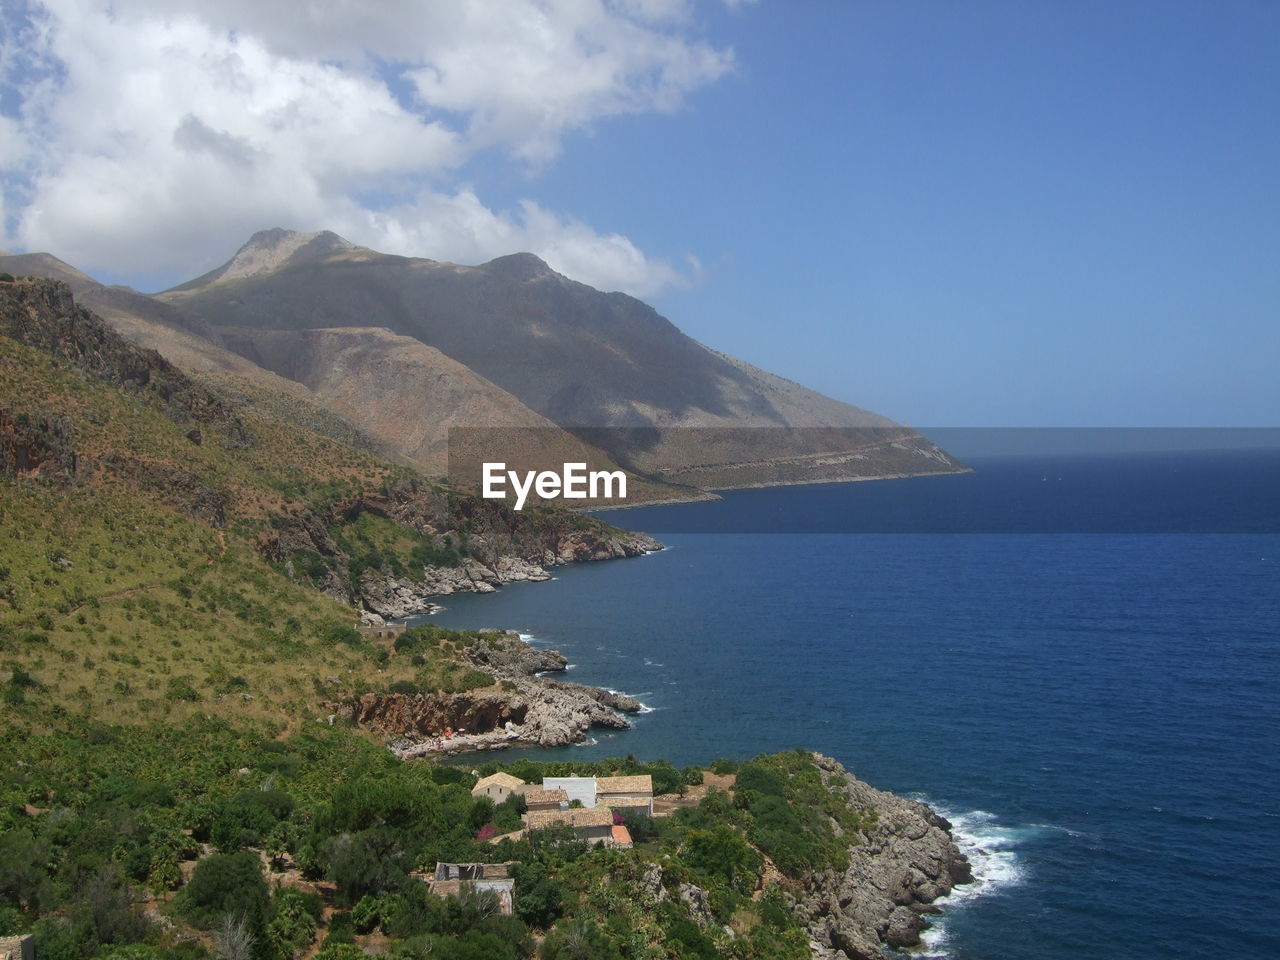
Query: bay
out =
(1099, 713)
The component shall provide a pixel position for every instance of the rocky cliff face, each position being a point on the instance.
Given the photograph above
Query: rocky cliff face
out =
(899, 866)
(521, 709)
(43, 314)
(386, 597)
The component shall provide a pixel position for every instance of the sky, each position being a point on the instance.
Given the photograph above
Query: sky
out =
(978, 213)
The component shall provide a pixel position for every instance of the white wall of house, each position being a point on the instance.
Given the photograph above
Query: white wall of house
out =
(578, 788)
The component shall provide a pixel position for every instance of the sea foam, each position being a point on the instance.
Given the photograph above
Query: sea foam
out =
(992, 849)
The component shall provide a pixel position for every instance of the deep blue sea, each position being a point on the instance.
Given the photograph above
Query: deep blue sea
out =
(1098, 713)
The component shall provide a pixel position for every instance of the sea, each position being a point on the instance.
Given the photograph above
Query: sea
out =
(1075, 658)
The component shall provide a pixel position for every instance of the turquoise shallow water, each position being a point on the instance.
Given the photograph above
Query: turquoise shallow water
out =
(1099, 713)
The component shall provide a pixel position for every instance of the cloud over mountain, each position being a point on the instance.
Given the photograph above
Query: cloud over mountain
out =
(141, 134)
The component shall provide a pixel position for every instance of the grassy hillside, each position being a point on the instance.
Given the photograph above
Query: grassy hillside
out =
(142, 572)
(132, 588)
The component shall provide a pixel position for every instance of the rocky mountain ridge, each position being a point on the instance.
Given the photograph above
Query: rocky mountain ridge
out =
(365, 386)
(404, 350)
(604, 366)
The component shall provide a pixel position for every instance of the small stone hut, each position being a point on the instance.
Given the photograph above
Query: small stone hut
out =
(497, 787)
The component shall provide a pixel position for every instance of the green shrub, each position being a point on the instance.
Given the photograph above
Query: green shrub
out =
(640, 825)
(366, 914)
(722, 854)
(225, 883)
(581, 940)
(293, 922)
(180, 688)
(539, 897)
(342, 633)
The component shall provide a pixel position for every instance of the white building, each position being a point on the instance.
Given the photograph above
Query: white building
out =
(634, 792)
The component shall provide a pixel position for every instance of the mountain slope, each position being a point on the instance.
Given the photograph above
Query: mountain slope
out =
(400, 391)
(367, 387)
(155, 529)
(581, 358)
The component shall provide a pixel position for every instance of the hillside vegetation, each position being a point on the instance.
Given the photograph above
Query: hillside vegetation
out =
(150, 565)
(181, 566)
(123, 843)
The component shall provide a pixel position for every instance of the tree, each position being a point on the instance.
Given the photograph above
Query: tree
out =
(372, 861)
(579, 941)
(233, 939)
(539, 898)
(225, 883)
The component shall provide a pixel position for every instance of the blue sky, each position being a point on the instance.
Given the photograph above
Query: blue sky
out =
(977, 213)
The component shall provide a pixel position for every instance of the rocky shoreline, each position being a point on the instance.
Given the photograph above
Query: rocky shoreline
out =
(382, 597)
(900, 865)
(901, 861)
(522, 708)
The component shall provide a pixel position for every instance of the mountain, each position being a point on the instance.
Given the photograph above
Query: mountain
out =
(189, 343)
(363, 386)
(604, 365)
(100, 437)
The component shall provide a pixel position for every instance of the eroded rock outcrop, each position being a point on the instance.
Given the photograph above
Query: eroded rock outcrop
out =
(899, 864)
(522, 708)
(37, 445)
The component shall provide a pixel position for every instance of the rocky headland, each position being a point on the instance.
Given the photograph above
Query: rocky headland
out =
(502, 546)
(521, 708)
(901, 862)
(384, 597)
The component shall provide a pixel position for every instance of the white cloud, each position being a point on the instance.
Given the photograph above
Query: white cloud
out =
(461, 222)
(158, 135)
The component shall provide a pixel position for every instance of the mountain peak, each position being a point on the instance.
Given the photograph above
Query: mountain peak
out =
(519, 266)
(269, 250)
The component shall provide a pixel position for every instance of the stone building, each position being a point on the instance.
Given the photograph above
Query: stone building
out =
(495, 878)
(381, 631)
(631, 792)
(595, 825)
(635, 791)
(546, 799)
(17, 948)
(582, 789)
(497, 787)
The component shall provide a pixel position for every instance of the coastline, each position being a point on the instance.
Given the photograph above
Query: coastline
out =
(714, 491)
(907, 863)
(814, 483)
(522, 708)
